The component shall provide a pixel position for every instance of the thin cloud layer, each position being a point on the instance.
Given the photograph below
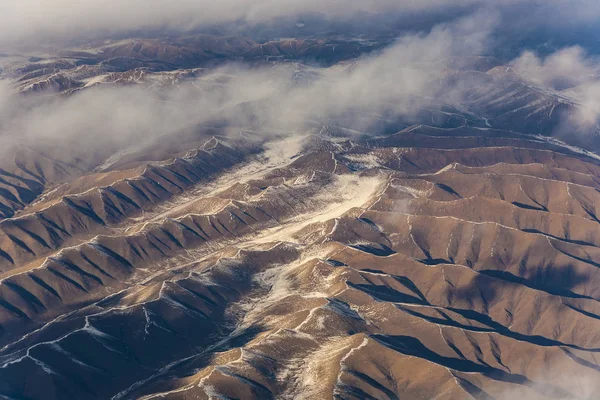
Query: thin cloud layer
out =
(570, 71)
(397, 81)
(32, 21)
(563, 69)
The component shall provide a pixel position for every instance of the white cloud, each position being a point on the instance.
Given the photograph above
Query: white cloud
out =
(35, 20)
(565, 68)
(398, 80)
(571, 71)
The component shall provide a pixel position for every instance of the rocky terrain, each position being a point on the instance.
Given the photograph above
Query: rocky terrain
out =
(134, 60)
(452, 254)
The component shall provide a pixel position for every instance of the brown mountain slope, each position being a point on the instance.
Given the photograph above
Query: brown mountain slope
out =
(428, 264)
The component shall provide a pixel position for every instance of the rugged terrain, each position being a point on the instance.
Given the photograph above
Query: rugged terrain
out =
(454, 254)
(164, 59)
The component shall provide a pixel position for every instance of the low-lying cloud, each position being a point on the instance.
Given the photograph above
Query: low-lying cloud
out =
(397, 81)
(401, 80)
(561, 70)
(33, 21)
(570, 71)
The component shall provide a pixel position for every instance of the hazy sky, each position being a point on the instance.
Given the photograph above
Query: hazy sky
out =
(29, 21)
